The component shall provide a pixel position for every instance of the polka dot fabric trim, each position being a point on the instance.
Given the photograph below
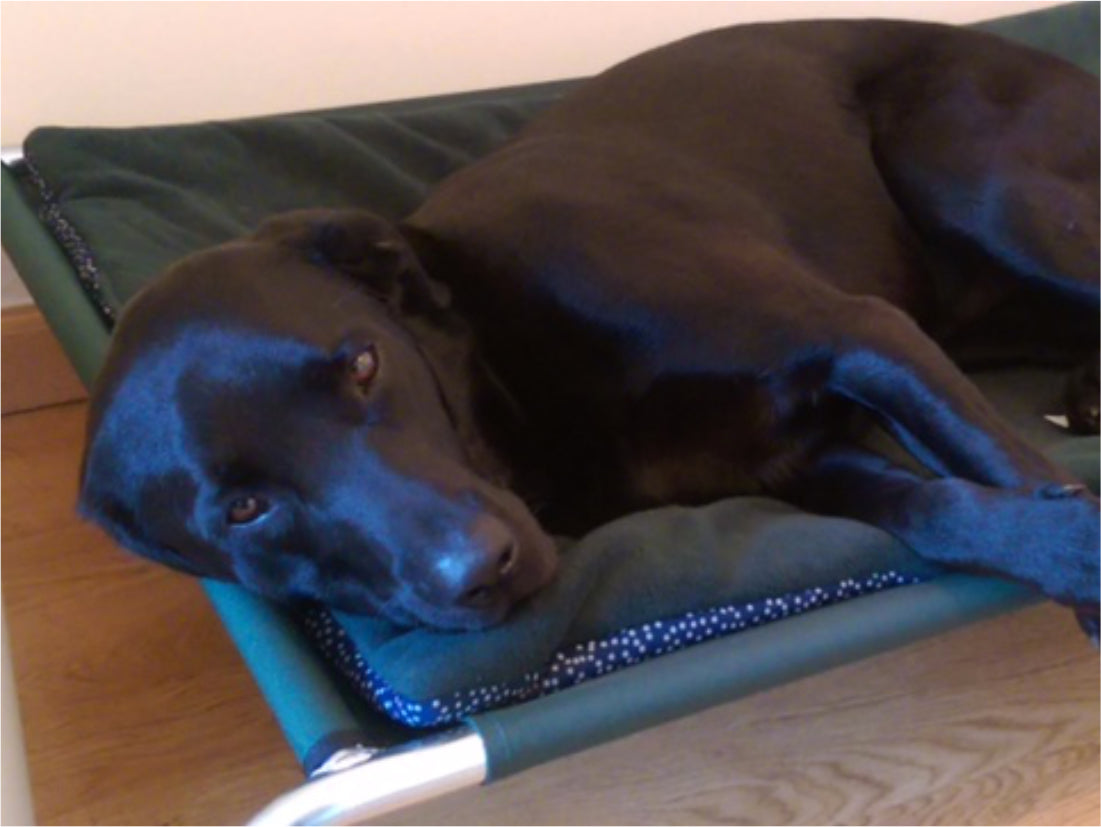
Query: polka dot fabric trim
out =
(74, 245)
(582, 662)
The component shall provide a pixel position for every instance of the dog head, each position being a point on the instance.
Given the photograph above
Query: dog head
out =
(268, 415)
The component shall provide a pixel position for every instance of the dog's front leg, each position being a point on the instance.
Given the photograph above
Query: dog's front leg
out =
(995, 503)
(887, 364)
(1047, 537)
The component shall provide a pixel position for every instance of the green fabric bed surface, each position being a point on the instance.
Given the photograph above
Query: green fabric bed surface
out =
(655, 566)
(142, 197)
(126, 202)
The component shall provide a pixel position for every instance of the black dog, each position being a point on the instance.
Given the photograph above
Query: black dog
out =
(691, 279)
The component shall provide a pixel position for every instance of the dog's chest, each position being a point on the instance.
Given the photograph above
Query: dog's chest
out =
(686, 440)
(692, 440)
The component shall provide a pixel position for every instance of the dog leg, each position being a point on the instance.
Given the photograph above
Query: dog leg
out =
(1082, 397)
(889, 366)
(1004, 162)
(1047, 537)
(1003, 157)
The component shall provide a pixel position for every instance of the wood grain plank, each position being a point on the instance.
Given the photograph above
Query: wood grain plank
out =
(137, 708)
(34, 371)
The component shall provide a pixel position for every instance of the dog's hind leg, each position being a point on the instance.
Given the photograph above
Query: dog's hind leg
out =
(995, 160)
(1046, 537)
(999, 150)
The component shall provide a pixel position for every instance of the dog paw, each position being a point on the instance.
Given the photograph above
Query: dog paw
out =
(1048, 537)
(1082, 398)
(1060, 492)
(1088, 620)
(1067, 522)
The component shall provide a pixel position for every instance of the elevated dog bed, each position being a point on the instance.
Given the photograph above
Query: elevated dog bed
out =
(654, 616)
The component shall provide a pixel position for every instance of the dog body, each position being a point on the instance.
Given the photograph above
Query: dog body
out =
(693, 278)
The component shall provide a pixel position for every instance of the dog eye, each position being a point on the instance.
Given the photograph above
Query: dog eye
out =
(245, 510)
(363, 366)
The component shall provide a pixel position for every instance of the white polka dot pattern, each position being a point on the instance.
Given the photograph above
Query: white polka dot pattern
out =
(582, 662)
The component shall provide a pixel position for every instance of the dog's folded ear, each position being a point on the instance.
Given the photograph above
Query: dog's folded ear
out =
(363, 245)
(122, 525)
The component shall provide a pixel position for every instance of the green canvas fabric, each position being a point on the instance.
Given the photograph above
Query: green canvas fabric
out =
(1069, 31)
(137, 199)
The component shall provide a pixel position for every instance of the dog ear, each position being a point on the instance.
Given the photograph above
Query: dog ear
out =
(110, 498)
(365, 246)
(120, 523)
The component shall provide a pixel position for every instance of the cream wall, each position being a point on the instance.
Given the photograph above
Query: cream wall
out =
(125, 63)
(116, 64)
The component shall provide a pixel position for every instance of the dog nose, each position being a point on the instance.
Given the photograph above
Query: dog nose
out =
(474, 573)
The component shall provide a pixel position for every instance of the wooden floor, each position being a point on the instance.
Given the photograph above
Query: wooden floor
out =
(137, 710)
